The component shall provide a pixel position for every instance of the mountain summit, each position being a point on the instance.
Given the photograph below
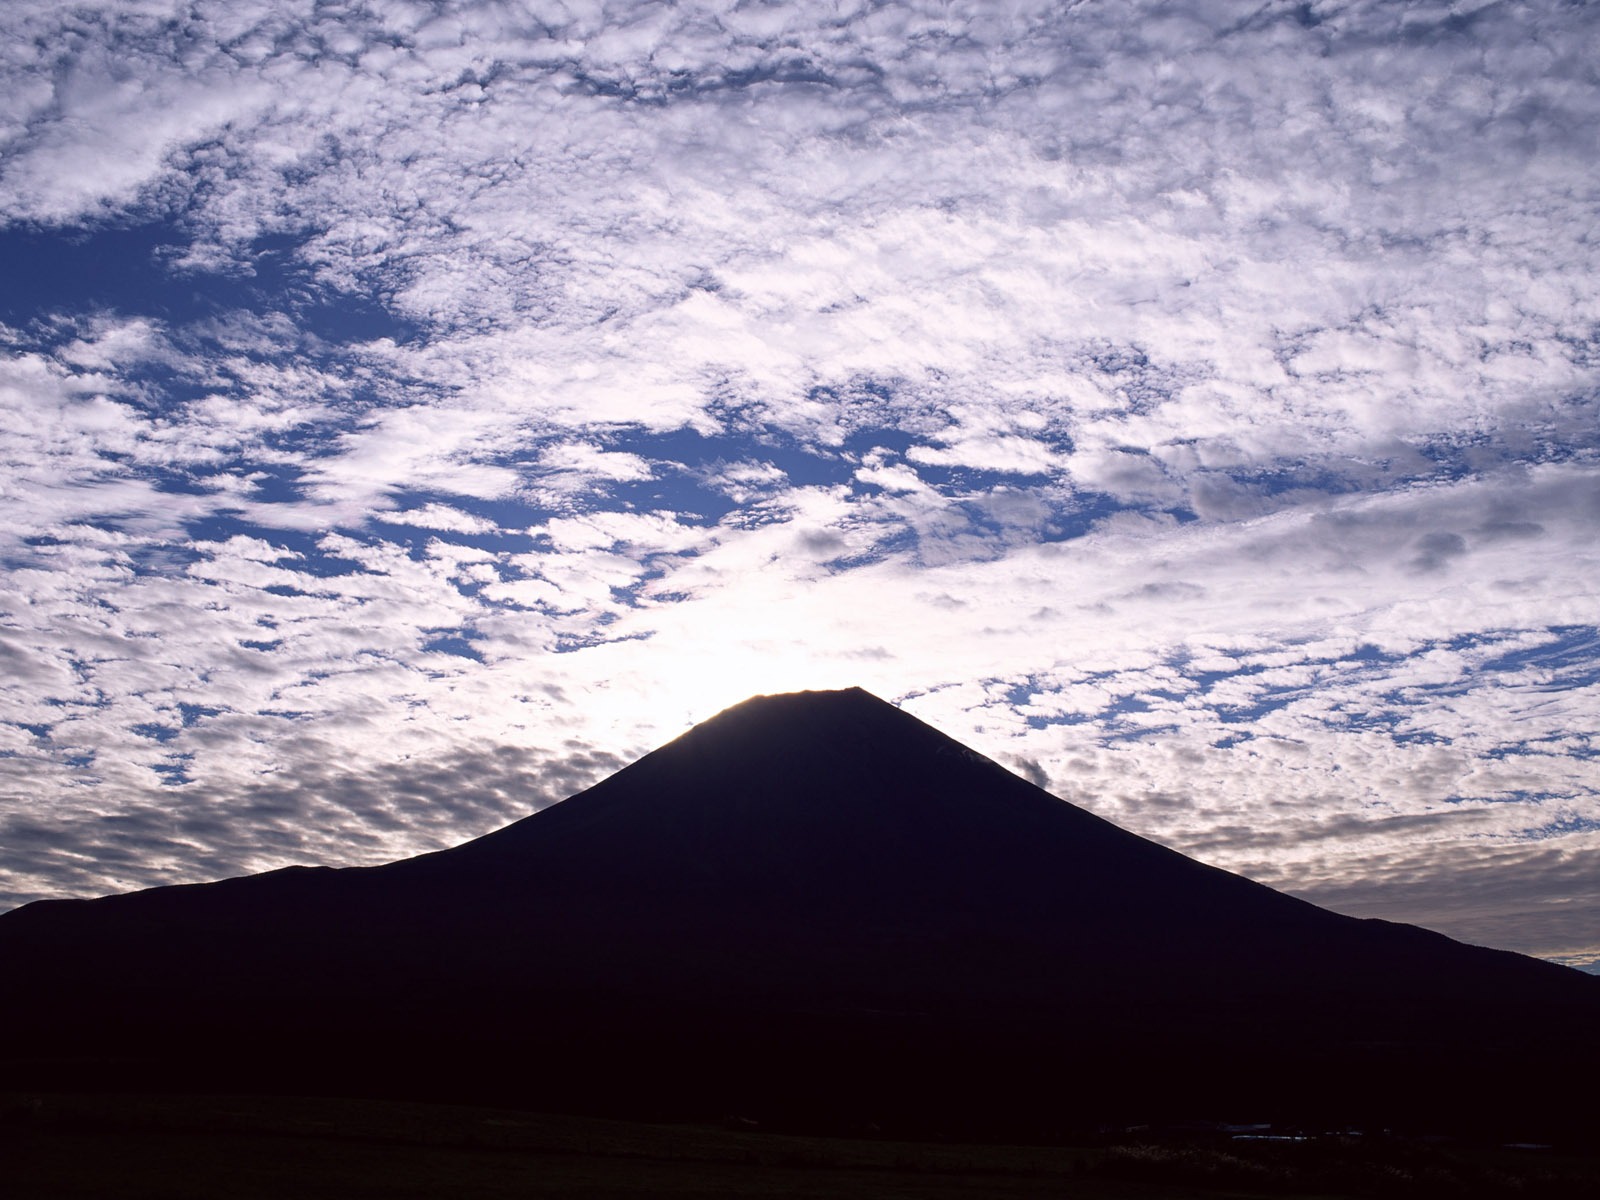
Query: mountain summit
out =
(810, 903)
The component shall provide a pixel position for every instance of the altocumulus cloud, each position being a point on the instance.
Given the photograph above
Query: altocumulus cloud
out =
(411, 411)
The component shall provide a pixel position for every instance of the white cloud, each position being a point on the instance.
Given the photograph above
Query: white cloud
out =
(441, 517)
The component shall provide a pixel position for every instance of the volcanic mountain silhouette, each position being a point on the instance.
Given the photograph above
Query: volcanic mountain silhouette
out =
(810, 904)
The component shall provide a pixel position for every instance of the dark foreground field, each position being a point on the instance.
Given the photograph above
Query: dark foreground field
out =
(175, 1148)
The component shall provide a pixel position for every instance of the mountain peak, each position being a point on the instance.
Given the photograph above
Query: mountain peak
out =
(808, 696)
(807, 704)
(810, 894)
(779, 766)
(840, 722)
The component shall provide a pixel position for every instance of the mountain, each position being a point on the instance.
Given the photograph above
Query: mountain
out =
(813, 906)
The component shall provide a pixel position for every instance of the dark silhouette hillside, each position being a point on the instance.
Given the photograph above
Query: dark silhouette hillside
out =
(810, 906)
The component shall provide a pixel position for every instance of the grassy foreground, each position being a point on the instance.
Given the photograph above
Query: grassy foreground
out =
(227, 1147)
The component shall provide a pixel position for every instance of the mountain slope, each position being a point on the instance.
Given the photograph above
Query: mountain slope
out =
(808, 901)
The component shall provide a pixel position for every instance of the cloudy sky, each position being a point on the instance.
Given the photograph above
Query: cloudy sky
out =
(413, 411)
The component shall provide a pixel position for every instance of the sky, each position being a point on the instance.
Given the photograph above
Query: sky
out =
(411, 412)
